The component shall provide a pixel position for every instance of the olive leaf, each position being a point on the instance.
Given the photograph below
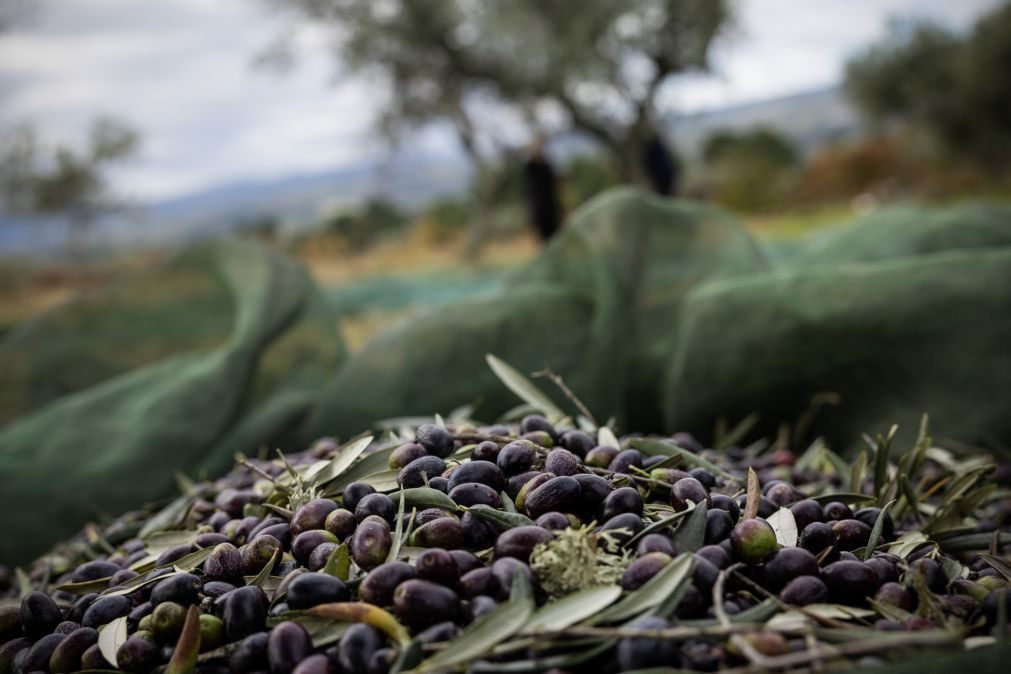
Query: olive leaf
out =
(651, 447)
(906, 543)
(346, 456)
(398, 532)
(504, 520)
(193, 560)
(858, 473)
(369, 464)
(882, 448)
(338, 564)
(651, 594)
(184, 656)
(754, 499)
(360, 612)
(999, 564)
(736, 434)
(85, 586)
(759, 613)
(572, 608)
(408, 657)
(607, 438)
(261, 577)
(549, 663)
(785, 526)
(168, 517)
(159, 542)
(524, 388)
(839, 464)
(847, 497)
(132, 585)
(508, 505)
(110, 638)
(969, 542)
(659, 525)
(427, 497)
(481, 636)
(879, 525)
(691, 534)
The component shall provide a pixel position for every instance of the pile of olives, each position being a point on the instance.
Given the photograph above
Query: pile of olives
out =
(292, 567)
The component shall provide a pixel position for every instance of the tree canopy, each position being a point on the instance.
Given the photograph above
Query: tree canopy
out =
(61, 181)
(953, 86)
(594, 66)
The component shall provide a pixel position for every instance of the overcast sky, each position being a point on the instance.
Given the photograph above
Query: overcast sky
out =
(182, 71)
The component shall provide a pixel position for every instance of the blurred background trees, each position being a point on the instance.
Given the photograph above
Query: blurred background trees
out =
(488, 68)
(952, 87)
(40, 181)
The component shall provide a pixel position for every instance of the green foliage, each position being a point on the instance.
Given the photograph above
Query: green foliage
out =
(62, 181)
(445, 219)
(364, 226)
(766, 145)
(751, 170)
(953, 86)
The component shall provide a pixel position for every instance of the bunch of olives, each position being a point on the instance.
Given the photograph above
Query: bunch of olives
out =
(292, 572)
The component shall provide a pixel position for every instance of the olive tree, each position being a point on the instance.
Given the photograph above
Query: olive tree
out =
(951, 85)
(594, 66)
(61, 181)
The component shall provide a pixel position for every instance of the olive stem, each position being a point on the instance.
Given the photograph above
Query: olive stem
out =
(557, 380)
(721, 613)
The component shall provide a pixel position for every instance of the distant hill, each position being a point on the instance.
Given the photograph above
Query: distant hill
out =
(809, 119)
(299, 202)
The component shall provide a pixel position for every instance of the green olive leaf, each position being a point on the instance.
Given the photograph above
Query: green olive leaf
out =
(849, 498)
(338, 564)
(691, 534)
(159, 542)
(572, 608)
(261, 578)
(504, 520)
(369, 464)
(524, 388)
(184, 656)
(651, 594)
(398, 532)
(110, 638)
(999, 564)
(659, 525)
(481, 636)
(427, 497)
(652, 447)
(193, 560)
(879, 525)
(168, 517)
(346, 456)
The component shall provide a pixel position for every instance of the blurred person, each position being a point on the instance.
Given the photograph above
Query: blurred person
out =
(660, 166)
(540, 188)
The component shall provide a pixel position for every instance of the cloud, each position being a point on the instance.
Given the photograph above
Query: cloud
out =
(181, 71)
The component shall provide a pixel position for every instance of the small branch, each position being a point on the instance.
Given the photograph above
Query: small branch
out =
(721, 614)
(557, 380)
(675, 633)
(853, 648)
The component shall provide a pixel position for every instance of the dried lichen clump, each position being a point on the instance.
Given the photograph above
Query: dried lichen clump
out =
(577, 559)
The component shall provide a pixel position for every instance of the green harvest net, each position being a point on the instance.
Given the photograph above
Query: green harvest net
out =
(665, 314)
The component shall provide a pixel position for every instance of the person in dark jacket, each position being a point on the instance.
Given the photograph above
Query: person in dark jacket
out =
(660, 166)
(541, 191)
